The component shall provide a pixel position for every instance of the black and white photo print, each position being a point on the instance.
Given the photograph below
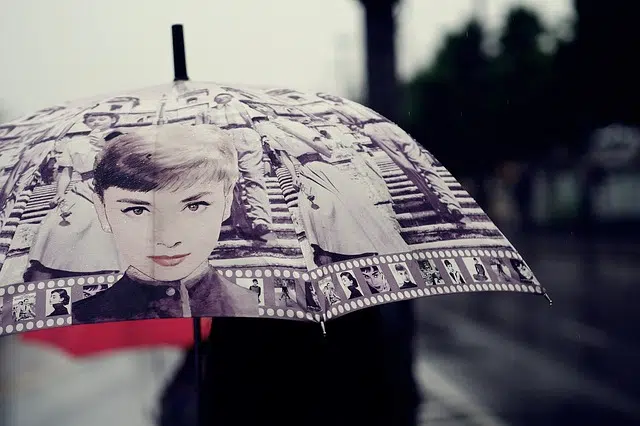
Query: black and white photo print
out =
(256, 286)
(404, 278)
(476, 269)
(523, 272)
(375, 279)
(312, 301)
(430, 273)
(328, 289)
(453, 271)
(285, 292)
(24, 307)
(350, 285)
(501, 270)
(58, 302)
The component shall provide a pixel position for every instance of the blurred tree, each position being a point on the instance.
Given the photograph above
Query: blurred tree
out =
(520, 80)
(447, 104)
(474, 110)
(605, 73)
(526, 100)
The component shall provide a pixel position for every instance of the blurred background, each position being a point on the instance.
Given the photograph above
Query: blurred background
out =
(533, 105)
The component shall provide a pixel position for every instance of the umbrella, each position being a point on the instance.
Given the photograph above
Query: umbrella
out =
(199, 199)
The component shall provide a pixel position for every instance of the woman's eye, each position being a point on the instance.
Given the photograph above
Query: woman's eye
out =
(197, 206)
(136, 211)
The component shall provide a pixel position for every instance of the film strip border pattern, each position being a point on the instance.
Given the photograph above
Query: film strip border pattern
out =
(23, 307)
(430, 280)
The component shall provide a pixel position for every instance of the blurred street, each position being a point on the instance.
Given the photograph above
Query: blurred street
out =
(525, 362)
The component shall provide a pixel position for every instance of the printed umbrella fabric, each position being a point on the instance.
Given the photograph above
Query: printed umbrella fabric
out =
(202, 200)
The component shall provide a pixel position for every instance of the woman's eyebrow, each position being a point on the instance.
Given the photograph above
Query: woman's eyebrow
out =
(133, 201)
(195, 197)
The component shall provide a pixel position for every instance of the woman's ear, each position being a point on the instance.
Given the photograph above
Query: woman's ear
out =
(228, 201)
(98, 204)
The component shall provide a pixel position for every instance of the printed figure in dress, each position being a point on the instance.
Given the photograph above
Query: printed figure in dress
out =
(311, 297)
(329, 291)
(501, 270)
(363, 165)
(70, 240)
(350, 283)
(340, 222)
(430, 272)
(375, 279)
(163, 195)
(231, 115)
(454, 272)
(480, 271)
(403, 150)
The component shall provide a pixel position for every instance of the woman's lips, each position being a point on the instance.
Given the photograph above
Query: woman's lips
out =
(169, 260)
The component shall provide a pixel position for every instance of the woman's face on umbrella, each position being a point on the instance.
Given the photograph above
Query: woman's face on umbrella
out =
(345, 280)
(99, 122)
(376, 280)
(55, 298)
(165, 234)
(223, 99)
(524, 271)
(403, 275)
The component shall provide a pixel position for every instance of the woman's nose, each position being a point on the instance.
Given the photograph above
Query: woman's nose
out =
(166, 232)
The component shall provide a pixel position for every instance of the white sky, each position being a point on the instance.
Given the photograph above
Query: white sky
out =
(58, 50)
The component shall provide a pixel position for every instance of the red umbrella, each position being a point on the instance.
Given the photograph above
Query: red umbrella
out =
(92, 339)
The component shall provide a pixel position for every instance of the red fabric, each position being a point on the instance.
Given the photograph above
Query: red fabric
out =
(92, 339)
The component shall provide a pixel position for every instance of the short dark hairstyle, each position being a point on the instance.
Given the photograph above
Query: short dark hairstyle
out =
(113, 115)
(350, 277)
(64, 295)
(167, 157)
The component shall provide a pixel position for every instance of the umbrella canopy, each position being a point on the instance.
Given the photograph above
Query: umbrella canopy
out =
(204, 200)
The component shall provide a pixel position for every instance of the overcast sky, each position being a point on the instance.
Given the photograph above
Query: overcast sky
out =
(53, 51)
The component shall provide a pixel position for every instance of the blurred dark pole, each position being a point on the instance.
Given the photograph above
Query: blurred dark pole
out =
(382, 82)
(382, 95)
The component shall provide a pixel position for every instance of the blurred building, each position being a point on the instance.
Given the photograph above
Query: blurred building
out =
(601, 188)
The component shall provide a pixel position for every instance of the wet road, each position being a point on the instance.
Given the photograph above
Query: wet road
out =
(525, 362)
